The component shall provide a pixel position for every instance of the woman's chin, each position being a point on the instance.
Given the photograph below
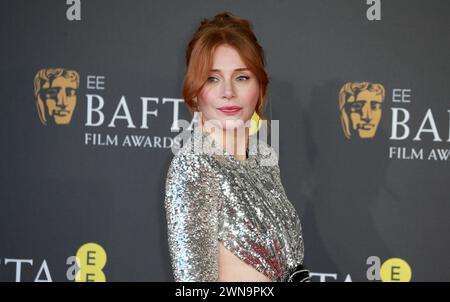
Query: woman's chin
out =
(231, 124)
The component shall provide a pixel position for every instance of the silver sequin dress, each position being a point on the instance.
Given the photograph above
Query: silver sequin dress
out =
(211, 196)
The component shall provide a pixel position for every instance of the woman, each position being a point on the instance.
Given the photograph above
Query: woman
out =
(227, 212)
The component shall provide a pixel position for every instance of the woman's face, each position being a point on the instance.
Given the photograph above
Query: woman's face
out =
(231, 92)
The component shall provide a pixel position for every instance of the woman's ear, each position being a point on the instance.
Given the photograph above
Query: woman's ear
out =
(195, 101)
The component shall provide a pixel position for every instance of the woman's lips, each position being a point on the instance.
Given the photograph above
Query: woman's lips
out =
(230, 110)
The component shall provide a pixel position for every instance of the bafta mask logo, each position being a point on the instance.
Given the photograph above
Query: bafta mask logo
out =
(55, 93)
(360, 107)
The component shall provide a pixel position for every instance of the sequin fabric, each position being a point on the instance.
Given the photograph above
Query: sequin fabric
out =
(211, 196)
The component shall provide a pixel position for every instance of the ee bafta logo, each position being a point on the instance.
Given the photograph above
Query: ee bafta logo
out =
(55, 95)
(91, 259)
(360, 109)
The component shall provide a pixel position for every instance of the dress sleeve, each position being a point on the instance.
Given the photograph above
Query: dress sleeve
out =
(192, 220)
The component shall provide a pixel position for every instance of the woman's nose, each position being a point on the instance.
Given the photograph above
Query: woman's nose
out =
(228, 90)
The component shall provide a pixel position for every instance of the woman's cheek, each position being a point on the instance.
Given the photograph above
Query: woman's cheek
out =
(206, 101)
(253, 96)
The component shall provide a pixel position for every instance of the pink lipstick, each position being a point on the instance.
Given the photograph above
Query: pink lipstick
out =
(230, 110)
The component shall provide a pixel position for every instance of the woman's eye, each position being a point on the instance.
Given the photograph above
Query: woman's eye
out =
(244, 78)
(212, 79)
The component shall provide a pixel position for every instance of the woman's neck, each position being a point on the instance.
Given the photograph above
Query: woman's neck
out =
(233, 141)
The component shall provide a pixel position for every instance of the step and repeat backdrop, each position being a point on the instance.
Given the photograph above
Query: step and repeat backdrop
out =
(91, 99)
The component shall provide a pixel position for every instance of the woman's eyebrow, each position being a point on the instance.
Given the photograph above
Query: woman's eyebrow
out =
(237, 69)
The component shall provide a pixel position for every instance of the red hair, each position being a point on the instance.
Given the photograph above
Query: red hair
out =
(223, 29)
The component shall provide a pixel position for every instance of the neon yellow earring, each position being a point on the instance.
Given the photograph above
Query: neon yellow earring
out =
(255, 123)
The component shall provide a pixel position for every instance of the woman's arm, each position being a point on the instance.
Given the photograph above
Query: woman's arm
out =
(191, 211)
